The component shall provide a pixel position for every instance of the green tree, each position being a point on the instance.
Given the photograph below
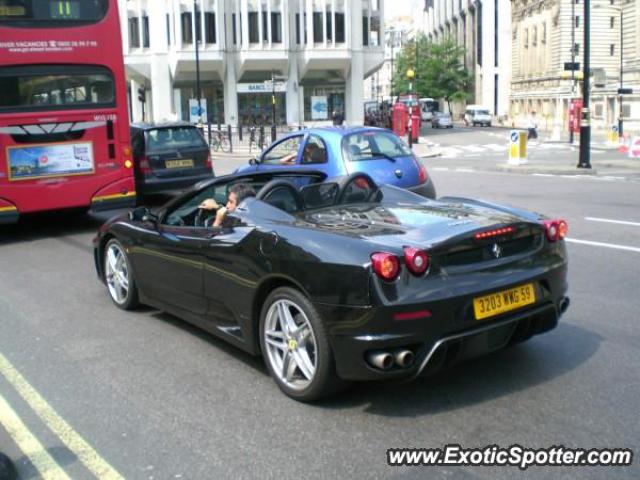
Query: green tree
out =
(439, 68)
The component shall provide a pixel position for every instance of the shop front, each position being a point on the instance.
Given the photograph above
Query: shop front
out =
(321, 101)
(213, 100)
(256, 103)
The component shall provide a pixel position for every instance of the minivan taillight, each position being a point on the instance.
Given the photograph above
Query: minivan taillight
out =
(145, 167)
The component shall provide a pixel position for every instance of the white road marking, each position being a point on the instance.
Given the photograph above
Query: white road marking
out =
(465, 170)
(604, 245)
(440, 169)
(607, 220)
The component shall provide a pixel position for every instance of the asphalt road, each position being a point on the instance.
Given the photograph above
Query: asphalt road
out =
(153, 398)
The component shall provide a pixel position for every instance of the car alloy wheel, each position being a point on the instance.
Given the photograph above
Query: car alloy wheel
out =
(295, 346)
(119, 277)
(291, 344)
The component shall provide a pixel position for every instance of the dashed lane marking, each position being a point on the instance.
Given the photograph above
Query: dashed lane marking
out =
(604, 245)
(87, 455)
(607, 220)
(29, 444)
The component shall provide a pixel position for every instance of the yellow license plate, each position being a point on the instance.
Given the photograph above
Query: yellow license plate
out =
(505, 301)
(178, 163)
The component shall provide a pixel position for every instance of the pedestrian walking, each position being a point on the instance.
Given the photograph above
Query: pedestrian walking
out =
(532, 127)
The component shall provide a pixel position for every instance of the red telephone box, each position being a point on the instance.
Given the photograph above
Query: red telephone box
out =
(575, 115)
(399, 119)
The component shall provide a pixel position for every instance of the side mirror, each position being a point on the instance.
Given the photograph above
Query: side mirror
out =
(254, 161)
(142, 214)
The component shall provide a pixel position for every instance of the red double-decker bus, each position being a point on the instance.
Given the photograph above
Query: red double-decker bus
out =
(64, 127)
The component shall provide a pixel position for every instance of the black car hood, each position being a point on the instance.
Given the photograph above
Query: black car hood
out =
(426, 224)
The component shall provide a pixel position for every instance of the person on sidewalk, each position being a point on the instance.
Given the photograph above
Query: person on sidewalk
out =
(532, 127)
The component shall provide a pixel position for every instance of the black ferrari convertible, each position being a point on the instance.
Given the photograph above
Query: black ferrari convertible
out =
(333, 280)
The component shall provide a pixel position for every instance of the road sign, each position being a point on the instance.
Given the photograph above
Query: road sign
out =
(572, 66)
(625, 91)
(634, 148)
(517, 147)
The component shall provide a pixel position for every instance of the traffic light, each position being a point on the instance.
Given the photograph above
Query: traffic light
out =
(142, 94)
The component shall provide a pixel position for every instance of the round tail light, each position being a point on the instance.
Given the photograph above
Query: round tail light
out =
(386, 266)
(417, 261)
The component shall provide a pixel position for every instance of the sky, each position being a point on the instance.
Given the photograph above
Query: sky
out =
(399, 8)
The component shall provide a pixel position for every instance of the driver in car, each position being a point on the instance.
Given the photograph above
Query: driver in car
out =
(237, 193)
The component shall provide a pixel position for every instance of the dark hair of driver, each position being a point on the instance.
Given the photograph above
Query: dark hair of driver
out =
(242, 191)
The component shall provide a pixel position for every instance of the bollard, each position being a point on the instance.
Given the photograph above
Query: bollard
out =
(240, 132)
(273, 133)
(517, 147)
(230, 142)
(209, 133)
(261, 137)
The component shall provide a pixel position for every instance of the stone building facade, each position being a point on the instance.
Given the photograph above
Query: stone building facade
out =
(546, 34)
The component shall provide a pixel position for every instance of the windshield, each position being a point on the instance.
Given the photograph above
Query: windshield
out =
(482, 112)
(373, 146)
(172, 138)
(54, 87)
(44, 13)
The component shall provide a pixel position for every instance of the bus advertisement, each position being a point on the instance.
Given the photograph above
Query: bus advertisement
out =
(64, 127)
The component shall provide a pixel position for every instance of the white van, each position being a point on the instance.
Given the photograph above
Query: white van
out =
(477, 115)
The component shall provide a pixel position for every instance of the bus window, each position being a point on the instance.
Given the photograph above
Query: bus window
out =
(45, 86)
(46, 13)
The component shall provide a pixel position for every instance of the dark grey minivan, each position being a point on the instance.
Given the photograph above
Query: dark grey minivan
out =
(169, 156)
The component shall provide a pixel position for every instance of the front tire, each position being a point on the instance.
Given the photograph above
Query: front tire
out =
(295, 346)
(118, 276)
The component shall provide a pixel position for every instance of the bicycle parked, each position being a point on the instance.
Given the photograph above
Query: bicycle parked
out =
(219, 141)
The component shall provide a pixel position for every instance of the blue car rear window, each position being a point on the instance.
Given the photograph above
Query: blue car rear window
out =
(373, 145)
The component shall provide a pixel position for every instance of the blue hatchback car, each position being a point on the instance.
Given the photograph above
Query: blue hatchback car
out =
(340, 151)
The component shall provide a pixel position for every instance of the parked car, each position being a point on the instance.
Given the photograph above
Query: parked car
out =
(441, 120)
(333, 280)
(342, 151)
(169, 156)
(477, 115)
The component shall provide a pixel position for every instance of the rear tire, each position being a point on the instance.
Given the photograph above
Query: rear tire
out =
(118, 276)
(295, 346)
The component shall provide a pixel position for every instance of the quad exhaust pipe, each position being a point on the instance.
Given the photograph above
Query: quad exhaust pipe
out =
(381, 360)
(401, 357)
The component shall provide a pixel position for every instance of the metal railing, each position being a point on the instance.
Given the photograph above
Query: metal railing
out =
(250, 139)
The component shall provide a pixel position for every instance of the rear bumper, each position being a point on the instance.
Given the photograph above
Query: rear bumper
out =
(427, 189)
(450, 335)
(158, 185)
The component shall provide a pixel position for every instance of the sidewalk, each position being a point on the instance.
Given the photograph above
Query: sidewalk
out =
(608, 161)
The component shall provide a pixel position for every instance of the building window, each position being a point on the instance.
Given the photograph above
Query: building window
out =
(375, 32)
(612, 21)
(187, 31)
(535, 36)
(210, 27)
(599, 110)
(577, 21)
(168, 29)
(339, 24)
(145, 31)
(626, 111)
(576, 49)
(254, 32)
(543, 38)
(318, 31)
(329, 27)
(265, 27)
(526, 38)
(134, 33)
(479, 34)
(234, 29)
(365, 31)
(612, 50)
(304, 26)
(276, 27)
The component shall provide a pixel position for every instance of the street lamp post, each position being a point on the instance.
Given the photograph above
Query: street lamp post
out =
(585, 127)
(410, 76)
(620, 126)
